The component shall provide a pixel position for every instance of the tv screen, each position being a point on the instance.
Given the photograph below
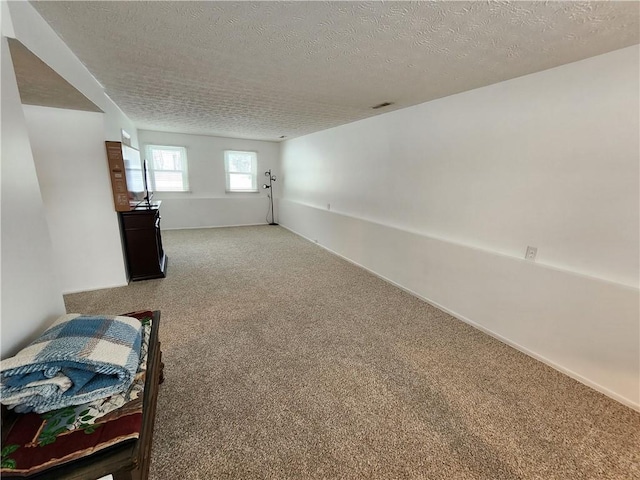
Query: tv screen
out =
(137, 175)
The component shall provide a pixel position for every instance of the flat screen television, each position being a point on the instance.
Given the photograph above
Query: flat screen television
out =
(137, 176)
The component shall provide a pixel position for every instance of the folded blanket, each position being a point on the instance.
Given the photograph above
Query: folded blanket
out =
(77, 360)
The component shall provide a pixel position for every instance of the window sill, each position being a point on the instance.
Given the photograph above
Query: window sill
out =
(242, 191)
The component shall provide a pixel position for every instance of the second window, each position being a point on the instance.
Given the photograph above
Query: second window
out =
(241, 171)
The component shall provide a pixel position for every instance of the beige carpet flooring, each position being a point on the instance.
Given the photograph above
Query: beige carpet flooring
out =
(284, 361)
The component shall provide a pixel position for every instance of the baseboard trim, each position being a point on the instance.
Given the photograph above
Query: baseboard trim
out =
(595, 386)
(216, 226)
(93, 289)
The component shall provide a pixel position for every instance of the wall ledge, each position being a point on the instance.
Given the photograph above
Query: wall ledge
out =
(419, 233)
(582, 326)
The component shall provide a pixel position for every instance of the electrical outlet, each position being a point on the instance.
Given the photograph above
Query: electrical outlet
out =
(531, 253)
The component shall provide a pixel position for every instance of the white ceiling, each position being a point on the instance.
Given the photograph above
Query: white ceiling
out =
(262, 70)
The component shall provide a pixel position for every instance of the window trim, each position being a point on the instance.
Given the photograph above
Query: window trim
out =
(152, 170)
(254, 172)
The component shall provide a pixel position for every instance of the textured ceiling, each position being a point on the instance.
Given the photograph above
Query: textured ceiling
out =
(39, 84)
(266, 69)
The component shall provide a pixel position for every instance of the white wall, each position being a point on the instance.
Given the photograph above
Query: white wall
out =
(31, 295)
(80, 146)
(444, 197)
(207, 204)
(5, 19)
(115, 121)
(31, 292)
(69, 153)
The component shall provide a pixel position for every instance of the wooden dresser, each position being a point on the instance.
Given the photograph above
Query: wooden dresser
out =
(142, 240)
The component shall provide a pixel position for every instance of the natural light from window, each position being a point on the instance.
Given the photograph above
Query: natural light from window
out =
(241, 169)
(168, 168)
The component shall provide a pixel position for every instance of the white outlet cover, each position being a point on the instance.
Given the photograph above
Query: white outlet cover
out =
(531, 253)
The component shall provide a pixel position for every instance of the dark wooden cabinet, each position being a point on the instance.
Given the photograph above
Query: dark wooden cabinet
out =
(143, 242)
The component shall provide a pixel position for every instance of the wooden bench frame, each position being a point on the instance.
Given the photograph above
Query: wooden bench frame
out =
(129, 461)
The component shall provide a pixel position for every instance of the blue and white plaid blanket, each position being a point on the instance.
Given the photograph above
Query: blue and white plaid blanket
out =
(77, 360)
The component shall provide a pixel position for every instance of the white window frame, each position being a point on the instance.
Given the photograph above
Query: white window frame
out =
(254, 172)
(151, 167)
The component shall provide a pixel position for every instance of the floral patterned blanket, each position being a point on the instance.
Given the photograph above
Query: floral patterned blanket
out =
(40, 441)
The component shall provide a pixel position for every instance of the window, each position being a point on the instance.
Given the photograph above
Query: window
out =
(167, 168)
(241, 171)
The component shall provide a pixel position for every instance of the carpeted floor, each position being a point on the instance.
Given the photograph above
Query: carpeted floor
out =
(283, 361)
